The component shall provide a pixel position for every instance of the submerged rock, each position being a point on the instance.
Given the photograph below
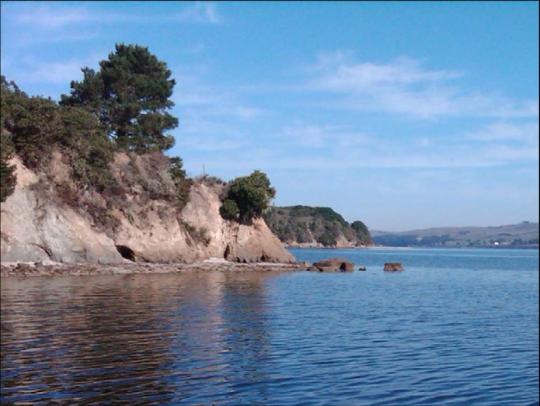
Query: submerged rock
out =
(393, 267)
(334, 265)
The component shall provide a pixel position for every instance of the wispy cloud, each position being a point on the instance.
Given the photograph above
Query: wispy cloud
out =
(62, 22)
(46, 17)
(405, 86)
(507, 132)
(309, 146)
(200, 12)
(53, 17)
(199, 96)
(31, 71)
(323, 136)
(58, 72)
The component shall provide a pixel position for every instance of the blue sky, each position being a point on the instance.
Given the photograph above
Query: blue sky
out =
(403, 115)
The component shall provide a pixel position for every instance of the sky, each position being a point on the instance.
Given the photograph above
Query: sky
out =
(403, 115)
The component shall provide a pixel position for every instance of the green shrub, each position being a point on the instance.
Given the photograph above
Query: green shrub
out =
(362, 233)
(31, 121)
(229, 210)
(251, 194)
(87, 147)
(327, 239)
(181, 182)
(8, 179)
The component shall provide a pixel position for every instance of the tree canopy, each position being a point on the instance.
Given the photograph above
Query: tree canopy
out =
(130, 94)
(123, 106)
(362, 232)
(7, 171)
(248, 197)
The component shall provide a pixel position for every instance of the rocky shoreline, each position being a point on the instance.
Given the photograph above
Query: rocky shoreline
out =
(32, 269)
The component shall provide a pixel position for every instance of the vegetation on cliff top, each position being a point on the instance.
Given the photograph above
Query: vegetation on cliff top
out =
(121, 108)
(7, 171)
(247, 197)
(308, 225)
(130, 95)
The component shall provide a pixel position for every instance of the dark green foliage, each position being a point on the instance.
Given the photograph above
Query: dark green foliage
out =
(177, 168)
(181, 182)
(87, 94)
(327, 238)
(131, 96)
(304, 224)
(362, 232)
(251, 194)
(38, 125)
(32, 122)
(87, 147)
(123, 106)
(8, 179)
(229, 210)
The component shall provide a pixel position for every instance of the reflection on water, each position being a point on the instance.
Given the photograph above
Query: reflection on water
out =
(422, 337)
(131, 337)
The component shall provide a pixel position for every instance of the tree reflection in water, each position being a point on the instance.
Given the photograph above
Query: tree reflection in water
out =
(160, 338)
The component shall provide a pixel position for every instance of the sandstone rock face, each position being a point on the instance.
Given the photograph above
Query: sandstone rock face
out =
(393, 267)
(165, 239)
(37, 228)
(333, 265)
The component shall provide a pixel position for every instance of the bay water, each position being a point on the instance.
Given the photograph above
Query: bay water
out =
(458, 326)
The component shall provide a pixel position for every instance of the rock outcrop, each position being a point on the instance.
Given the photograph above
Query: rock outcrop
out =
(332, 265)
(35, 227)
(393, 267)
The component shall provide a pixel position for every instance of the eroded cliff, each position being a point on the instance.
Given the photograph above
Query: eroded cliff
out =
(39, 222)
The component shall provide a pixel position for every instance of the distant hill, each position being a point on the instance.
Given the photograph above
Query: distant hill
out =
(522, 235)
(304, 226)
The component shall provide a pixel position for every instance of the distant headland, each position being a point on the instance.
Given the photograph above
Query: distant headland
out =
(522, 235)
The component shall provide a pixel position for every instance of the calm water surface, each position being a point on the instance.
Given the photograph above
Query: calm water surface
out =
(457, 327)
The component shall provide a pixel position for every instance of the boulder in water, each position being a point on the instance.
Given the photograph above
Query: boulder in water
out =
(393, 267)
(334, 265)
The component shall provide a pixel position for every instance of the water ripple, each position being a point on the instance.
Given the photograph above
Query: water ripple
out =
(420, 338)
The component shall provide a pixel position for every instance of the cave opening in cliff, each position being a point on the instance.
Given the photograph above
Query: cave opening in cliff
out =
(126, 252)
(227, 252)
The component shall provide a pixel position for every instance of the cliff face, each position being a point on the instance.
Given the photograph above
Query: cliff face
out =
(304, 226)
(37, 225)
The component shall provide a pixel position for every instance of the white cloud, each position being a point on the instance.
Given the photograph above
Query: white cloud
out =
(211, 143)
(198, 98)
(46, 17)
(404, 86)
(308, 146)
(323, 136)
(508, 132)
(31, 71)
(200, 12)
(338, 74)
(51, 18)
